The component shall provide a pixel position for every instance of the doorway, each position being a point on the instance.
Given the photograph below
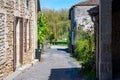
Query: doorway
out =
(18, 42)
(116, 38)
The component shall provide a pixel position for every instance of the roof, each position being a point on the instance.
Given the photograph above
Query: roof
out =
(94, 11)
(85, 3)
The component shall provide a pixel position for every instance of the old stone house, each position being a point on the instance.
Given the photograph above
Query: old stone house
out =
(107, 16)
(18, 34)
(79, 16)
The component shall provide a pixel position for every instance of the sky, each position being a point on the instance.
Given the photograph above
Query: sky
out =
(58, 4)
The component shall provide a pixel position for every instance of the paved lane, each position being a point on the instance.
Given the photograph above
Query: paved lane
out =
(56, 65)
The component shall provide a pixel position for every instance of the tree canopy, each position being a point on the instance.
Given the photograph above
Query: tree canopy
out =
(58, 23)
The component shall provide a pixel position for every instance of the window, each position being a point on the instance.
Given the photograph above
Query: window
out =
(27, 4)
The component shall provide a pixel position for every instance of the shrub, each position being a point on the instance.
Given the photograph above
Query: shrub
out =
(42, 28)
(84, 50)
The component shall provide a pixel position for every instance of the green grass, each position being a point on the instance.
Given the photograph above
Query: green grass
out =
(59, 43)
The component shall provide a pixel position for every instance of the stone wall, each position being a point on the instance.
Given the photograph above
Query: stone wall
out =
(7, 66)
(8, 10)
(80, 19)
(83, 19)
(2, 37)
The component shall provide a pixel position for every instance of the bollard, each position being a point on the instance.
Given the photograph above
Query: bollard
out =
(38, 54)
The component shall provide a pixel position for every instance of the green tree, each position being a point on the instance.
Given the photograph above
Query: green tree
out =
(59, 23)
(42, 28)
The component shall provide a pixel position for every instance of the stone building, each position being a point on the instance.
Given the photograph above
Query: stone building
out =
(107, 17)
(18, 34)
(79, 16)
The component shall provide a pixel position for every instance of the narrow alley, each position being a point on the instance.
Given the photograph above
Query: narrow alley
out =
(56, 64)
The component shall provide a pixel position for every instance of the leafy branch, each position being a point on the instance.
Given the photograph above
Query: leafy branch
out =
(42, 28)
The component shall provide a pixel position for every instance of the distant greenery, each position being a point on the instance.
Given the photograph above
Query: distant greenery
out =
(58, 24)
(84, 50)
(59, 43)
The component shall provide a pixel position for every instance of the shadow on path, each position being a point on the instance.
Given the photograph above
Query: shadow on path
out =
(65, 74)
(65, 49)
